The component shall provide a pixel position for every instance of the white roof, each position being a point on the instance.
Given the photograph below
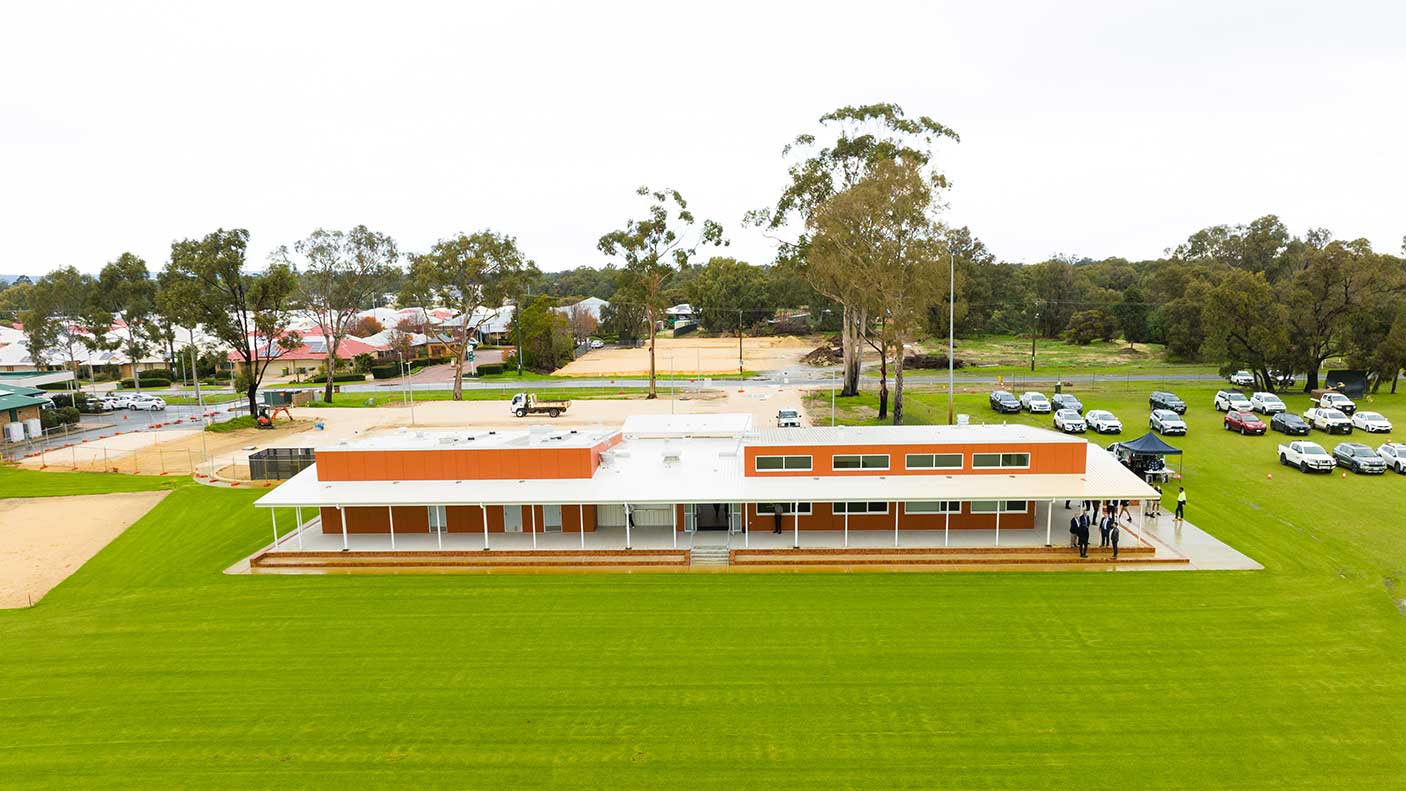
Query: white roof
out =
(908, 435)
(719, 425)
(532, 436)
(666, 471)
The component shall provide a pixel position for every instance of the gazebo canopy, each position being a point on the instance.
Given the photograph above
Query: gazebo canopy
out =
(1150, 443)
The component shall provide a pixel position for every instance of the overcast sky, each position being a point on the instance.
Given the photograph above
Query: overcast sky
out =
(1092, 129)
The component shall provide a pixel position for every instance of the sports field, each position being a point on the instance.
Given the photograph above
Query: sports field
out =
(150, 669)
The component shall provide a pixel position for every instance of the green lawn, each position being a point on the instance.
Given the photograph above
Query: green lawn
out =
(18, 482)
(151, 669)
(1010, 355)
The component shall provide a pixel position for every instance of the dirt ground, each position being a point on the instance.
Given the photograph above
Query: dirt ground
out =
(182, 451)
(687, 355)
(45, 539)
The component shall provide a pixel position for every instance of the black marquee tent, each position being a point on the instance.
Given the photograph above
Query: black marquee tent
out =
(1150, 443)
(1144, 455)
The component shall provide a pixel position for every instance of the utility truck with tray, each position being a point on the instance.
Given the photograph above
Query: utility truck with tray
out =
(524, 404)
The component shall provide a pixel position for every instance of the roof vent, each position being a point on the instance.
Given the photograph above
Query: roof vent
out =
(448, 440)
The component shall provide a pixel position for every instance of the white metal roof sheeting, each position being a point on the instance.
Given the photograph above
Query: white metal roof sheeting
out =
(908, 435)
(710, 471)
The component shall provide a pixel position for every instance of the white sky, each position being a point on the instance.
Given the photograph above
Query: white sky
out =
(1093, 129)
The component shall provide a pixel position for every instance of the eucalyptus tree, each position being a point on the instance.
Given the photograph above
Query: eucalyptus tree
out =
(125, 287)
(653, 249)
(341, 274)
(471, 274)
(68, 311)
(856, 140)
(248, 311)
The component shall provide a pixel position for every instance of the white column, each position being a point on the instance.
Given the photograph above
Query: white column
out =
(746, 527)
(947, 520)
(999, 505)
(483, 509)
(390, 514)
(674, 523)
(846, 507)
(342, 512)
(581, 522)
(273, 513)
(533, 510)
(298, 515)
(796, 540)
(627, 525)
(1049, 522)
(895, 522)
(439, 534)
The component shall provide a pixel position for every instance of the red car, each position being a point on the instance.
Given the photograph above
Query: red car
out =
(1244, 422)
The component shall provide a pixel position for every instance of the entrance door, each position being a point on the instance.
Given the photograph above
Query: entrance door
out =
(551, 519)
(713, 516)
(512, 519)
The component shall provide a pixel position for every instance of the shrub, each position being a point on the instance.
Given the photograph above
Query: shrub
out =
(54, 386)
(156, 373)
(67, 415)
(321, 379)
(128, 384)
(362, 363)
(385, 371)
(489, 369)
(931, 361)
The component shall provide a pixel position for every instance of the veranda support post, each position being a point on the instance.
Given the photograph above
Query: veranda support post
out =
(298, 515)
(895, 522)
(390, 514)
(746, 527)
(533, 510)
(846, 525)
(342, 513)
(1049, 523)
(796, 534)
(483, 509)
(999, 505)
(581, 523)
(627, 525)
(273, 513)
(674, 524)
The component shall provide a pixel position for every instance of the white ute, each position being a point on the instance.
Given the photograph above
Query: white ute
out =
(1307, 456)
(788, 418)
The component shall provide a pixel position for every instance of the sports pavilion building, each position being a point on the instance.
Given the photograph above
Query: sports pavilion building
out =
(665, 482)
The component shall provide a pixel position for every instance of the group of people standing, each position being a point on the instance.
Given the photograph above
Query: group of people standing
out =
(1103, 514)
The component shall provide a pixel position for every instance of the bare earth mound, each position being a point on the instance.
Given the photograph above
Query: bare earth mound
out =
(689, 355)
(45, 539)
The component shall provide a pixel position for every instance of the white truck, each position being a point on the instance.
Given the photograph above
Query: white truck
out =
(1332, 399)
(524, 404)
(1307, 456)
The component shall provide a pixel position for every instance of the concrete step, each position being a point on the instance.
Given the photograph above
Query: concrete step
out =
(708, 556)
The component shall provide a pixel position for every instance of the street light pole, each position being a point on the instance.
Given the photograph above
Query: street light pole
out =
(951, 330)
(1034, 330)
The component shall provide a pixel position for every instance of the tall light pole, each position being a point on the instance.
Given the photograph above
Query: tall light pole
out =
(1034, 331)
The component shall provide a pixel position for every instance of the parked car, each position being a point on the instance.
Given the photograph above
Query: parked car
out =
(1066, 401)
(788, 418)
(1165, 421)
(1070, 422)
(1267, 403)
(1163, 400)
(1289, 423)
(1004, 401)
(1035, 403)
(1329, 420)
(1359, 458)
(1227, 400)
(1371, 422)
(1332, 399)
(120, 400)
(146, 403)
(1307, 456)
(597, 343)
(95, 404)
(1244, 422)
(1242, 379)
(1103, 422)
(1394, 454)
(1285, 379)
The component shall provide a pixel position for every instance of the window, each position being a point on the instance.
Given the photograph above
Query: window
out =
(933, 507)
(437, 518)
(988, 461)
(858, 462)
(765, 509)
(1007, 506)
(767, 463)
(859, 508)
(934, 461)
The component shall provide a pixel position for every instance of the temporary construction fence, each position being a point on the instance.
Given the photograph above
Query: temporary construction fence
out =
(279, 464)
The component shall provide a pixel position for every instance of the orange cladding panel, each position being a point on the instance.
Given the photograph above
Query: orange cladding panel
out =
(1045, 458)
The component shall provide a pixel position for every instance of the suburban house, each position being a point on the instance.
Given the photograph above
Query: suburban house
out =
(591, 306)
(16, 406)
(309, 356)
(659, 479)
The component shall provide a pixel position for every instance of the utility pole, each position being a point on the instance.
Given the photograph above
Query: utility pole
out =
(1034, 330)
(951, 332)
(517, 315)
(739, 345)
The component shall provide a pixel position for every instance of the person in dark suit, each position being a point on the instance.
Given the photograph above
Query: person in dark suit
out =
(1113, 538)
(1073, 531)
(1104, 525)
(1083, 536)
(776, 511)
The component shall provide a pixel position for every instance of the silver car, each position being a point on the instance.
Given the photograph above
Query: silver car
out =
(1165, 421)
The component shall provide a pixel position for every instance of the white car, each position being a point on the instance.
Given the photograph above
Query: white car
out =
(1394, 454)
(1231, 401)
(788, 418)
(1329, 420)
(1070, 422)
(1104, 422)
(1371, 422)
(1267, 404)
(148, 403)
(120, 401)
(1035, 402)
(1305, 455)
(597, 343)
(1242, 379)
(1336, 401)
